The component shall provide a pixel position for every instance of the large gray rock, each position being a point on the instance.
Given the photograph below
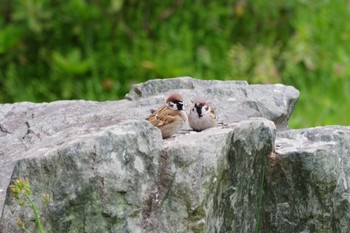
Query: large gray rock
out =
(25, 126)
(108, 170)
(308, 182)
(97, 180)
(233, 100)
(124, 178)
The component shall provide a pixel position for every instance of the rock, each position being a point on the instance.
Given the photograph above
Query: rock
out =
(97, 181)
(108, 170)
(25, 126)
(208, 180)
(233, 100)
(308, 181)
(125, 178)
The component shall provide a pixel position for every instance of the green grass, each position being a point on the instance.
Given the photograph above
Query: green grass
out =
(95, 50)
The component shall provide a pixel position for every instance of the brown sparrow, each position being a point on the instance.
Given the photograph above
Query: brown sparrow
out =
(170, 117)
(201, 116)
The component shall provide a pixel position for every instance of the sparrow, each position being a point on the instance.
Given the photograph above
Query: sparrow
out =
(170, 117)
(201, 116)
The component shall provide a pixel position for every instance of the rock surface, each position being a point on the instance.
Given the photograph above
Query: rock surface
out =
(308, 181)
(126, 179)
(25, 126)
(233, 100)
(108, 170)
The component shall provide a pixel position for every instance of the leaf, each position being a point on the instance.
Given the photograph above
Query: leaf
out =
(72, 63)
(116, 5)
(9, 37)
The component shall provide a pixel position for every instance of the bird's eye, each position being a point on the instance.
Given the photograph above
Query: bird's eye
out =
(206, 108)
(192, 109)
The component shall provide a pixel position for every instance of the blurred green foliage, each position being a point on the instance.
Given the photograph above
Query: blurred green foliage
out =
(86, 49)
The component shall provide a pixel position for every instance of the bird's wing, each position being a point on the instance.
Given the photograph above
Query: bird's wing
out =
(162, 116)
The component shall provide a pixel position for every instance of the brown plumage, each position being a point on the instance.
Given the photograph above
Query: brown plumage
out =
(170, 117)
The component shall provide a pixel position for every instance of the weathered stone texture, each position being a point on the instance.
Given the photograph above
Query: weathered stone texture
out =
(108, 170)
(308, 180)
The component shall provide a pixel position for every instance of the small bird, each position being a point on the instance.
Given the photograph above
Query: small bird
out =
(170, 117)
(201, 116)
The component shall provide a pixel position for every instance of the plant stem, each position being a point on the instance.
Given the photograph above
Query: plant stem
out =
(26, 230)
(38, 223)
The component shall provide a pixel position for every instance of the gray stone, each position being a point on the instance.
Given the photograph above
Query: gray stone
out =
(210, 179)
(125, 178)
(97, 181)
(233, 100)
(308, 180)
(108, 170)
(25, 126)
